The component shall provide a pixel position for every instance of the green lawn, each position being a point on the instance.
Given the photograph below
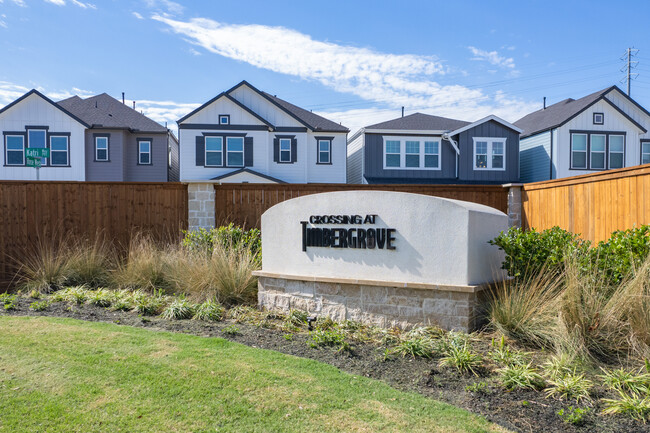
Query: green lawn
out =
(62, 375)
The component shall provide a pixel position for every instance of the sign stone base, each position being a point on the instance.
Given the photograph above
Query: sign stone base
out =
(383, 304)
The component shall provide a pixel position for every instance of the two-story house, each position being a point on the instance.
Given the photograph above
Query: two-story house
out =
(92, 139)
(426, 149)
(601, 131)
(246, 135)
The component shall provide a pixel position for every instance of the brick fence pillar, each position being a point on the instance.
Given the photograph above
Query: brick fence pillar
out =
(200, 205)
(514, 204)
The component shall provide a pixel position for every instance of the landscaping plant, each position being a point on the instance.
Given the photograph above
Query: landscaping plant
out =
(210, 311)
(179, 309)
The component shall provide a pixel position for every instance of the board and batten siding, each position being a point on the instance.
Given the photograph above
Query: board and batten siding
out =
(355, 160)
(374, 162)
(466, 172)
(613, 122)
(35, 111)
(631, 110)
(263, 107)
(535, 157)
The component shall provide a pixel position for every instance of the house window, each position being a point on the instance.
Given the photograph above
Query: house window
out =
(101, 148)
(412, 153)
(597, 151)
(599, 118)
(285, 150)
(578, 150)
(392, 153)
(324, 151)
(489, 153)
(59, 150)
(235, 151)
(224, 119)
(645, 152)
(213, 151)
(144, 152)
(616, 151)
(36, 140)
(15, 150)
(432, 154)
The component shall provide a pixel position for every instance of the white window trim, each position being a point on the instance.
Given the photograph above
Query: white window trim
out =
(44, 161)
(592, 151)
(610, 152)
(402, 154)
(205, 152)
(140, 153)
(243, 145)
(224, 116)
(644, 153)
(586, 151)
(490, 141)
(97, 148)
(7, 150)
(329, 152)
(280, 150)
(67, 151)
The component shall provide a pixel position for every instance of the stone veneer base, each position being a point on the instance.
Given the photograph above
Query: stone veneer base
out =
(380, 303)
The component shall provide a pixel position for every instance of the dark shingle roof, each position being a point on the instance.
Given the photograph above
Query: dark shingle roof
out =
(421, 122)
(557, 114)
(314, 121)
(108, 112)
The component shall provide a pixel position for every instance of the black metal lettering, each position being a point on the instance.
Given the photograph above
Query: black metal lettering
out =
(356, 219)
(343, 238)
(371, 238)
(316, 237)
(381, 238)
(352, 238)
(327, 237)
(304, 235)
(368, 219)
(361, 236)
(390, 239)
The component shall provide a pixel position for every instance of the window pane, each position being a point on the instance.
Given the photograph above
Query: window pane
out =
(59, 143)
(497, 161)
(645, 153)
(412, 147)
(14, 142)
(59, 158)
(14, 157)
(645, 158)
(579, 142)
(235, 158)
(101, 142)
(213, 143)
(481, 161)
(285, 144)
(616, 160)
(392, 146)
(213, 158)
(236, 144)
(597, 143)
(430, 147)
(597, 160)
(392, 160)
(645, 147)
(497, 148)
(412, 160)
(616, 143)
(431, 161)
(102, 154)
(285, 156)
(144, 158)
(481, 147)
(324, 157)
(579, 159)
(36, 139)
(324, 145)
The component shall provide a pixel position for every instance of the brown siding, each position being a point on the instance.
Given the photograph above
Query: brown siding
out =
(592, 205)
(244, 204)
(30, 211)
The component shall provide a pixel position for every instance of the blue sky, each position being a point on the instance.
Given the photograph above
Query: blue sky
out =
(356, 62)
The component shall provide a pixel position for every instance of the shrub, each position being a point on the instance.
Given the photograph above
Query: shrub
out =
(146, 266)
(570, 387)
(414, 346)
(575, 416)
(334, 338)
(623, 252)
(75, 295)
(632, 405)
(39, 306)
(209, 311)
(8, 301)
(529, 251)
(178, 310)
(503, 355)
(231, 236)
(145, 304)
(462, 359)
(520, 376)
(122, 301)
(101, 298)
(45, 266)
(90, 263)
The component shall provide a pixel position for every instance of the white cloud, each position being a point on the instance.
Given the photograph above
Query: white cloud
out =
(165, 8)
(137, 15)
(20, 3)
(56, 2)
(83, 5)
(194, 52)
(3, 23)
(165, 111)
(492, 57)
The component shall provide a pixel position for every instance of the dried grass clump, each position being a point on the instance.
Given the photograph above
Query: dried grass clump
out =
(146, 267)
(45, 266)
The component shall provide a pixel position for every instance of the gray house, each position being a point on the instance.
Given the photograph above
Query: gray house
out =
(426, 149)
(122, 144)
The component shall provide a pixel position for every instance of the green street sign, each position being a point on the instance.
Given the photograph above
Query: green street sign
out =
(33, 162)
(37, 152)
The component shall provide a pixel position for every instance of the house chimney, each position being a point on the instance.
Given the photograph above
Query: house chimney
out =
(544, 102)
(95, 104)
(122, 97)
(134, 105)
(402, 111)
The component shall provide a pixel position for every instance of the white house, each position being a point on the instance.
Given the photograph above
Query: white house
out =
(601, 131)
(246, 135)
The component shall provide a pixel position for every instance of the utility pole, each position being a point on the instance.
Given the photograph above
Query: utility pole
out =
(629, 76)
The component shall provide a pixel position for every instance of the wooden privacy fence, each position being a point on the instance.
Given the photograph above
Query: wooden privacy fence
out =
(592, 205)
(33, 212)
(243, 204)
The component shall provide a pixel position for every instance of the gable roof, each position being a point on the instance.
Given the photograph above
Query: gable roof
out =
(48, 100)
(310, 120)
(104, 111)
(420, 122)
(483, 120)
(560, 113)
(249, 171)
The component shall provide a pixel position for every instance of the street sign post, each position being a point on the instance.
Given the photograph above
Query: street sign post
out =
(34, 158)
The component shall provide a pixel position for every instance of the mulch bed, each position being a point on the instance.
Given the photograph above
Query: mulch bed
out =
(519, 410)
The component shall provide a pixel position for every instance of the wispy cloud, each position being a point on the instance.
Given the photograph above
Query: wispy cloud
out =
(56, 2)
(165, 111)
(3, 23)
(492, 57)
(74, 2)
(165, 8)
(137, 15)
